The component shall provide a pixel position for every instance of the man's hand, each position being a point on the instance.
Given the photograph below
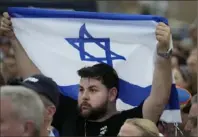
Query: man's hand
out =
(6, 25)
(163, 36)
(25, 66)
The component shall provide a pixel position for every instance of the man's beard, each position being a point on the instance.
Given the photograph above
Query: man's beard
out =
(94, 113)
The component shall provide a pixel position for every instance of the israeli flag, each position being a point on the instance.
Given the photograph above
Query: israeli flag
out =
(61, 42)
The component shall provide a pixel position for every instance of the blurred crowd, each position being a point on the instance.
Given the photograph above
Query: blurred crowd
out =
(184, 60)
(184, 68)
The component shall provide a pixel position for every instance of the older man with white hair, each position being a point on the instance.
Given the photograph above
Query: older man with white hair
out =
(21, 112)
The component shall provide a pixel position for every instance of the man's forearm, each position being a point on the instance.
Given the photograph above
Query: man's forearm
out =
(161, 86)
(25, 66)
(162, 80)
(160, 92)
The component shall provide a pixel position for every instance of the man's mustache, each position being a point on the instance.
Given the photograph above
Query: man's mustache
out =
(86, 104)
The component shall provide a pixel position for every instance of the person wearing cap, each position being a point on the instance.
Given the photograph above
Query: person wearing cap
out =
(48, 91)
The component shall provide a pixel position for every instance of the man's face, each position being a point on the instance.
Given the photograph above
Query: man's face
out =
(191, 125)
(129, 130)
(92, 99)
(50, 109)
(10, 125)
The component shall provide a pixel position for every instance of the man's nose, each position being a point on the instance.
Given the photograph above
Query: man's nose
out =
(85, 95)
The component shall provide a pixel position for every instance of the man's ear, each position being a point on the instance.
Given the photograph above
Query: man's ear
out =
(29, 128)
(113, 94)
(51, 110)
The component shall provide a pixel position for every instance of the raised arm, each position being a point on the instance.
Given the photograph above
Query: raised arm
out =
(25, 66)
(162, 78)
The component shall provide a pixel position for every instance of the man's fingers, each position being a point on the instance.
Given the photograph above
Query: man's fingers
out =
(160, 32)
(162, 24)
(6, 21)
(164, 28)
(5, 26)
(6, 15)
(159, 38)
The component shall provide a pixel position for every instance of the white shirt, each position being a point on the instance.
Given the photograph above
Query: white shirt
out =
(51, 134)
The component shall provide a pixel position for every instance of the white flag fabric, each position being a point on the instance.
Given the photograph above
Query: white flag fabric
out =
(61, 42)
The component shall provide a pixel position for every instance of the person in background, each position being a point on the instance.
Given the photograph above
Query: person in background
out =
(48, 91)
(193, 31)
(184, 115)
(176, 61)
(191, 125)
(192, 64)
(183, 77)
(139, 127)
(2, 82)
(21, 112)
(8, 67)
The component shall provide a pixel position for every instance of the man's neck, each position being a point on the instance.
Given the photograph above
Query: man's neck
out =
(109, 114)
(46, 129)
(45, 132)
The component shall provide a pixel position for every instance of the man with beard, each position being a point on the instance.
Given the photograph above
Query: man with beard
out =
(99, 88)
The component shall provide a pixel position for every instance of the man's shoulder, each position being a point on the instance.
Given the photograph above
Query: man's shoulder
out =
(135, 112)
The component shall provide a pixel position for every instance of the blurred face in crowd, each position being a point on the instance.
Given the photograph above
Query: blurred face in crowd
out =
(191, 125)
(8, 63)
(193, 34)
(179, 79)
(93, 98)
(174, 62)
(10, 124)
(50, 109)
(129, 130)
(192, 61)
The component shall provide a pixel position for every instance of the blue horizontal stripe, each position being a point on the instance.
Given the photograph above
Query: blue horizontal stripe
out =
(129, 94)
(51, 13)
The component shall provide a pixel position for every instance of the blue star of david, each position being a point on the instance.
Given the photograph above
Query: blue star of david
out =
(85, 37)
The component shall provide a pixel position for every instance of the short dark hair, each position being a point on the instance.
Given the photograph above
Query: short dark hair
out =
(103, 72)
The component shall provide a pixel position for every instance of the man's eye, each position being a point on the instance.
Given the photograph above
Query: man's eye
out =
(81, 89)
(93, 90)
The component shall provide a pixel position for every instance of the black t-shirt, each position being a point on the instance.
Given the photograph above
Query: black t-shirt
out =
(69, 123)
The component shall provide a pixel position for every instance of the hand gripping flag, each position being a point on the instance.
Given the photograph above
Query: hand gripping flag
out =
(61, 42)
